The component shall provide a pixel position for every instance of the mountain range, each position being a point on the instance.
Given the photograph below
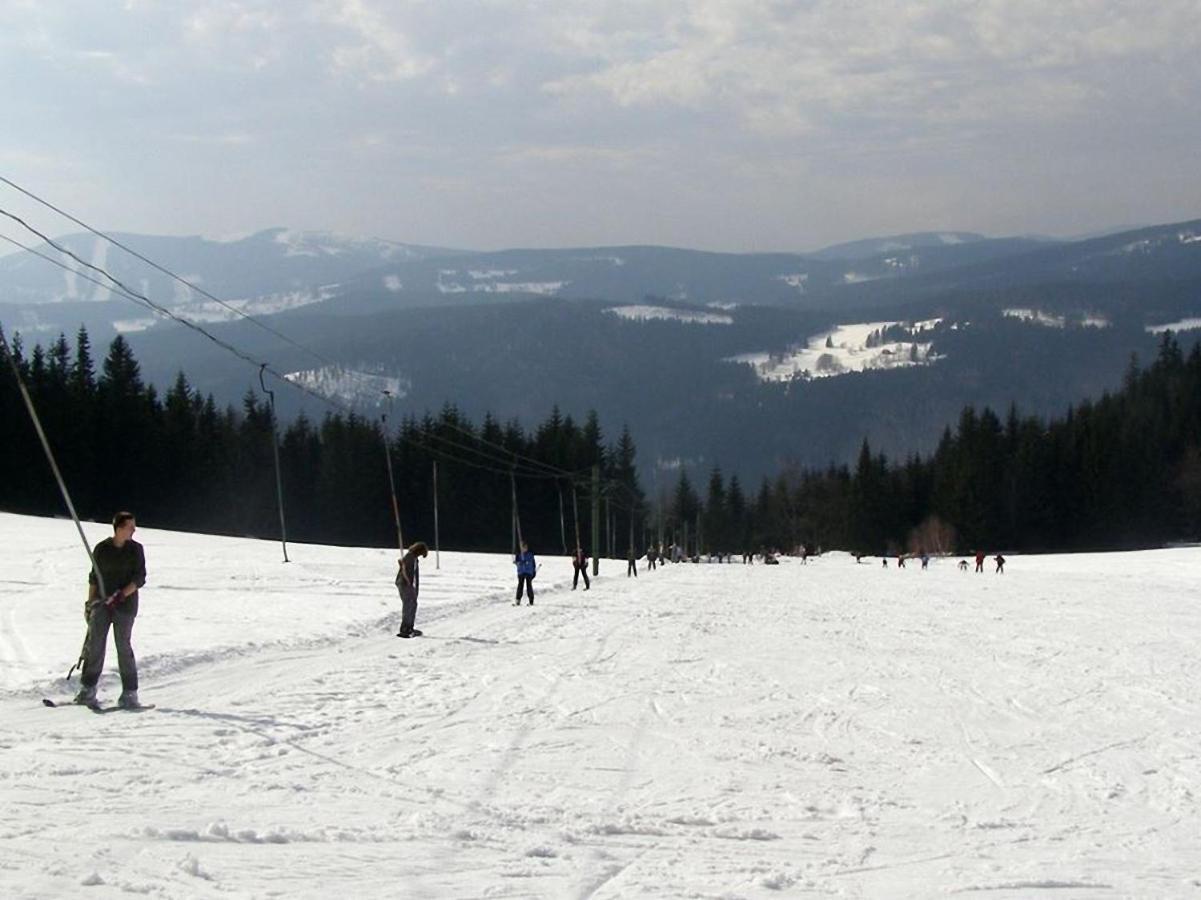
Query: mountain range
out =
(748, 361)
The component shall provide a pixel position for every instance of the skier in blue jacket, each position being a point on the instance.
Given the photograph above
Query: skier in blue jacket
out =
(526, 569)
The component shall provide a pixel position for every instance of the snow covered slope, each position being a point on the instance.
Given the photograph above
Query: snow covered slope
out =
(703, 731)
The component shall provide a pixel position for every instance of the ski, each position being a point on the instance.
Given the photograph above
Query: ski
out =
(63, 704)
(94, 707)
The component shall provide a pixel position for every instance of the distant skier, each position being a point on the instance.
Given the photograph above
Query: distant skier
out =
(632, 563)
(900, 560)
(963, 565)
(925, 560)
(408, 582)
(579, 562)
(979, 560)
(652, 555)
(121, 564)
(1000, 560)
(527, 568)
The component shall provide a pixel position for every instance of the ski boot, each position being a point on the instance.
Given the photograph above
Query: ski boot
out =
(129, 700)
(86, 696)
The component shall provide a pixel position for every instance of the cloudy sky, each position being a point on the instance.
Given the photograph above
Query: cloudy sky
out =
(717, 124)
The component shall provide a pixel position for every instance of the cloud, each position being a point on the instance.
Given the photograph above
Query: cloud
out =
(678, 121)
(379, 48)
(782, 67)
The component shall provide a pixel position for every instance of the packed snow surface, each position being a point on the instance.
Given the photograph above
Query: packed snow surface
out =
(1180, 325)
(354, 386)
(643, 312)
(1037, 316)
(841, 351)
(703, 731)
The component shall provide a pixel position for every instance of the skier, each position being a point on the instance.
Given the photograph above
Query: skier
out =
(925, 560)
(121, 564)
(900, 560)
(1000, 564)
(408, 581)
(579, 561)
(979, 560)
(652, 554)
(963, 565)
(526, 569)
(632, 563)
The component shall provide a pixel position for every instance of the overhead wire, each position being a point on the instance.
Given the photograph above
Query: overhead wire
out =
(501, 460)
(160, 268)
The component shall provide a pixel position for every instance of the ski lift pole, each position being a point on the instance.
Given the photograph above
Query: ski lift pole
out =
(400, 541)
(279, 484)
(62, 487)
(595, 520)
(437, 545)
(562, 523)
(575, 512)
(516, 513)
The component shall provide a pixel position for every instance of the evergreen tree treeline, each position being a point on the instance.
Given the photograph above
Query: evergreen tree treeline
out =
(182, 462)
(1123, 472)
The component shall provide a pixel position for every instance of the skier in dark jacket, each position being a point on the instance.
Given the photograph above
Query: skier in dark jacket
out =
(408, 582)
(652, 556)
(632, 563)
(1000, 561)
(119, 570)
(527, 568)
(579, 562)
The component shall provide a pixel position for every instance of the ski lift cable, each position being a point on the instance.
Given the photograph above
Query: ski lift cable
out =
(523, 471)
(62, 486)
(84, 275)
(124, 290)
(130, 291)
(121, 289)
(537, 464)
(551, 469)
(164, 270)
(550, 472)
(547, 467)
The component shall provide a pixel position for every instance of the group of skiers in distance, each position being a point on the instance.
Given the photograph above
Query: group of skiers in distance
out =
(408, 574)
(924, 557)
(119, 570)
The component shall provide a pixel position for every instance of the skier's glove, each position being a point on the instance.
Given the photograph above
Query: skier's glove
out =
(114, 598)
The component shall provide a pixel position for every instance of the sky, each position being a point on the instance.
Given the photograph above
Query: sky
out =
(735, 125)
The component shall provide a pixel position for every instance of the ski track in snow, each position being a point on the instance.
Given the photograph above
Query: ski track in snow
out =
(701, 731)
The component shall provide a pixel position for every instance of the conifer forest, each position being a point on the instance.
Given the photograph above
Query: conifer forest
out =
(1123, 471)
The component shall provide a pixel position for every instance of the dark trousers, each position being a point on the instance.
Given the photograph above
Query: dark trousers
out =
(120, 618)
(579, 570)
(528, 581)
(650, 564)
(632, 569)
(408, 608)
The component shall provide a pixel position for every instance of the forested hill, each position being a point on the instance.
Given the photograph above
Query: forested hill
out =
(179, 460)
(1123, 471)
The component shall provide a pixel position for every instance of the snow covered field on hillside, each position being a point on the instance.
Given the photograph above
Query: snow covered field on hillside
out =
(830, 729)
